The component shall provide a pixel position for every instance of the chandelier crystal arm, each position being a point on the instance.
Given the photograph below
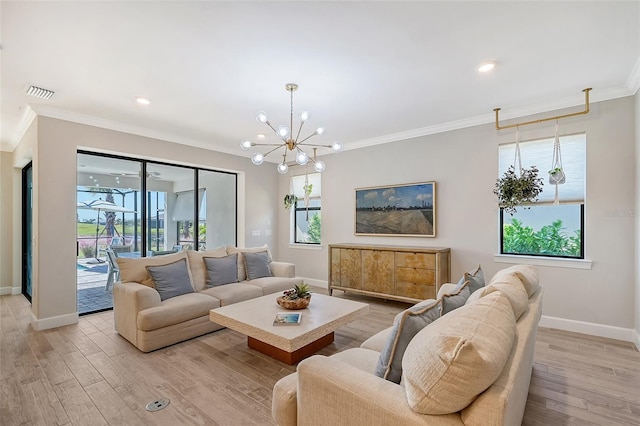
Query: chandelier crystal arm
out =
(307, 138)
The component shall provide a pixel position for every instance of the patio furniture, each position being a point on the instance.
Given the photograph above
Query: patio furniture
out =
(113, 274)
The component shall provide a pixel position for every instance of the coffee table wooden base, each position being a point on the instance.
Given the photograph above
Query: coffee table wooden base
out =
(290, 357)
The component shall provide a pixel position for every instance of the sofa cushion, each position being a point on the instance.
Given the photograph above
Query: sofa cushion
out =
(512, 290)
(233, 293)
(475, 278)
(171, 280)
(242, 275)
(405, 326)
(257, 265)
(461, 354)
(221, 270)
(456, 299)
(271, 285)
(197, 266)
(135, 269)
(378, 340)
(176, 310)
(527, 274)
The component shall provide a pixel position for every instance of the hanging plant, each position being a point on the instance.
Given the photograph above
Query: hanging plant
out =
(513, 190)
(290, 200)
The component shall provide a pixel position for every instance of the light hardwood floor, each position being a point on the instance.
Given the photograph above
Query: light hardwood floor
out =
(85, 374)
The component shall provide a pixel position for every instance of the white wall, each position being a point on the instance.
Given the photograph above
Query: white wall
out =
(54, 157)
(6, 220)
(464, 165)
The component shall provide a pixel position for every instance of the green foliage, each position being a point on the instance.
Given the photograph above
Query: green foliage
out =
(513, 190)
(549, 240)
(290, 200)
(315, 229)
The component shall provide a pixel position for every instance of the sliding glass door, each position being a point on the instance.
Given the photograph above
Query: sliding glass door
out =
(137, 208)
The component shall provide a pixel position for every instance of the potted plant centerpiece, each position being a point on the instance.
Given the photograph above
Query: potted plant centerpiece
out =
(513, 190)
(298, 297)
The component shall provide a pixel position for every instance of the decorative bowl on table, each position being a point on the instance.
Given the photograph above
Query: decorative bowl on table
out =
(295, 298)
(293, 304)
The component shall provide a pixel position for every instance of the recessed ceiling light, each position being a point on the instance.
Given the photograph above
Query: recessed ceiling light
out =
(142, 100)
(261, 135)
(486, 66)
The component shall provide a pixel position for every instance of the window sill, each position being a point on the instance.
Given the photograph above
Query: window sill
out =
(543, 261)
(305, 246)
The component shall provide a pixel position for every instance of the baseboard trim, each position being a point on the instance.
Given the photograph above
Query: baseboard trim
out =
(315, 283)
(593, 329)
(6, 291)
(637, 340)
(53, 322)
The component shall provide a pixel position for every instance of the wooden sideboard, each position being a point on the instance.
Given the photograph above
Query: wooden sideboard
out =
(408, 274)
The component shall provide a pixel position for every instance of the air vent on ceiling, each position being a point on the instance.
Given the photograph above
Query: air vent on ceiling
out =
(39, 92)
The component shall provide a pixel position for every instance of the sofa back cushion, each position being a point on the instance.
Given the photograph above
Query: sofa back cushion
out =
(527, 274)
(458, 356)
(135, 269)
(198, 268)
(511, 287)
(242, 272)
(405, 326)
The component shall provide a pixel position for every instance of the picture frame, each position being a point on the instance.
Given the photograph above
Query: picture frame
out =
(407, 210)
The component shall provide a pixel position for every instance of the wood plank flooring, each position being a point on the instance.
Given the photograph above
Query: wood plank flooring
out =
(86, 374)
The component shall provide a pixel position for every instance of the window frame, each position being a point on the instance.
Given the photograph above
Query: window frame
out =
(297, 209)
(544, 255)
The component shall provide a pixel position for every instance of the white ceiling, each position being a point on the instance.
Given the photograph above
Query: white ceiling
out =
(372, 72)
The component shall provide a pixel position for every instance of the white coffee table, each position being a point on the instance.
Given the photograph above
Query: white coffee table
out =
(288, 343)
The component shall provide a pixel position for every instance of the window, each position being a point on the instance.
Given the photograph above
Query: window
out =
(183, 216)
(307, 218)
(546, 228)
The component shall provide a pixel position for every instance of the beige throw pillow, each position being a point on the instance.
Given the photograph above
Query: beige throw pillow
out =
(458, 356)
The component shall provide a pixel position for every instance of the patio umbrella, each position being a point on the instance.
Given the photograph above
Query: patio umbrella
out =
(104, 206)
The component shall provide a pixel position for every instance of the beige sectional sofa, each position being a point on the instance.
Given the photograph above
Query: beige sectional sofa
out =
(471, 366)
(150, 323)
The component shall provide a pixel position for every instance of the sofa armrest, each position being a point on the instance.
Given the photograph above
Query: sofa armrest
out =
(283, 269)
(129, 299)
(334, 392)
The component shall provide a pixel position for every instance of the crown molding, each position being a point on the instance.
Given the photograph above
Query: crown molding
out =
(631, 87)
(94, 121)
(25, 121)
(509, 114)
(633, 82)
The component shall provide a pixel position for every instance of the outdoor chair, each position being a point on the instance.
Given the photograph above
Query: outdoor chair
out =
(113, 274)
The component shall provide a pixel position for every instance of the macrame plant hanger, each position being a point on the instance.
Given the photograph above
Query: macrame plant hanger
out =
(556, 173)
(307, 193)
(517, 160)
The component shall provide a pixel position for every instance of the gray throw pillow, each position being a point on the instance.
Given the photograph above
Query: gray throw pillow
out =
(476, 279)
(456, 299)
(221, 270)
(405, 326)
(257, 265)
(171, 280)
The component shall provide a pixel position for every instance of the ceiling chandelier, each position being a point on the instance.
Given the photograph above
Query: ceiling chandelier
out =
(290, 143)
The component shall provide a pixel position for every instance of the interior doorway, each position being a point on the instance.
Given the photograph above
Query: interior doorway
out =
(27, 230)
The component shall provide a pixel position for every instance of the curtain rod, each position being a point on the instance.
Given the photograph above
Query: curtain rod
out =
(586, 111)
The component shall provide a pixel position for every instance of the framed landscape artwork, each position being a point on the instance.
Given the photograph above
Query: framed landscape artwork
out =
(397, 210)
